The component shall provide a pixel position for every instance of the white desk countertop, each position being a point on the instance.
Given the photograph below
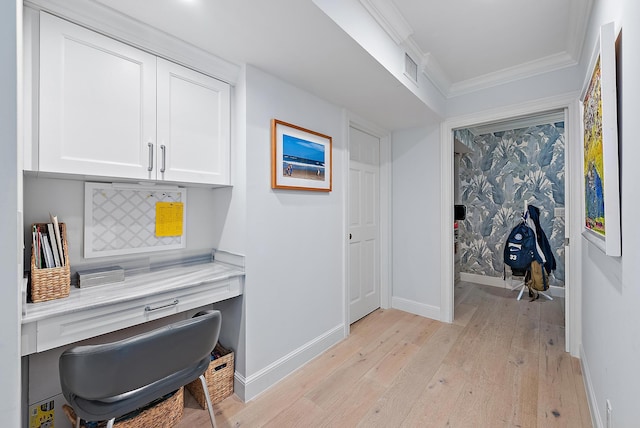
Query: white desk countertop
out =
(141, 297)
(137, 286)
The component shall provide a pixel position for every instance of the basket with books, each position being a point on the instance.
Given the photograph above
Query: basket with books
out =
(50, 274)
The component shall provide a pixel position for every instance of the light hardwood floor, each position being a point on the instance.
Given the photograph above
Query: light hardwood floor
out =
(500, 364)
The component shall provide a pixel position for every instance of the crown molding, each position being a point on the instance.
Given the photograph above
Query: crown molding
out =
(107, 21)
(393, 23)
(389, 18)
(578, 23)
(521, 71)
(433, 71)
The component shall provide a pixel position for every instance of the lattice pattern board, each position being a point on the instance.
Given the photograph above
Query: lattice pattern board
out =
(121, 219)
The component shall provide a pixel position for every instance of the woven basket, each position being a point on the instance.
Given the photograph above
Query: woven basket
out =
(164, 414)
(219, 376)
(50, 283)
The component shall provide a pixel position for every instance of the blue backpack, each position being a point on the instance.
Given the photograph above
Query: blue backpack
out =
(519, 250)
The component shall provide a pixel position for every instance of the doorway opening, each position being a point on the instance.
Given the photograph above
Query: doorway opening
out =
(500, 169)
(498, 182)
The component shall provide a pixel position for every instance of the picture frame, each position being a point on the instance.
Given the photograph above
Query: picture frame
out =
(599, 105)
(301, 159)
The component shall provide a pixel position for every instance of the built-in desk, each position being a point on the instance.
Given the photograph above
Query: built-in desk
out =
(141, 297)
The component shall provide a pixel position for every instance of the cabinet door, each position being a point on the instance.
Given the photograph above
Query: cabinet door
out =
(97, 103)
(193, 126)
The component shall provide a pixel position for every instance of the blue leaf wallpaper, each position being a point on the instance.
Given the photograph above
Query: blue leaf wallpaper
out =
(504, 170)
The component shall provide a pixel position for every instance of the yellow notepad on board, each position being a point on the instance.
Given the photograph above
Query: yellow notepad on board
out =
(169, 218)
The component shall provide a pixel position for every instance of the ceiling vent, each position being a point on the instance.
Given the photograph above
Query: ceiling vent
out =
(410, 68)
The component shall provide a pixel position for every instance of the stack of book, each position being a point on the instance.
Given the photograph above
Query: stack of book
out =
(47, 245)
(50, 273)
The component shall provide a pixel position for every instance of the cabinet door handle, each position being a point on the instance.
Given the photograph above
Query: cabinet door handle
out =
(164, 157)
(168, 305)
(150, 167)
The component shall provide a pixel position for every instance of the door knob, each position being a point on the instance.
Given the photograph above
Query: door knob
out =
(349, 236)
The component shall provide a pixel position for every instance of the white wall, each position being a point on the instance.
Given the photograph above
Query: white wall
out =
(356, 21)
(10, 258)
(416, 220)
(65, 199)
(229, 209)
(230, 204)
(611, 293)
(295, 250)
(536, 87)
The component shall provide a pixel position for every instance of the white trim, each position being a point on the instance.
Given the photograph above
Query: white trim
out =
(417, 308)
(346, 262)
(253, 385)
(574, 200)
(385, 222)
(109, 22)
(588, 386)
(572, 209)
(446, 221)
(389, 18)
(521, 71)
(578, 21)
(229, 258)
(495, 281)
(519, 122)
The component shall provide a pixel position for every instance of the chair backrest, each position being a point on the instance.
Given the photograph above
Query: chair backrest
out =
(102, 371)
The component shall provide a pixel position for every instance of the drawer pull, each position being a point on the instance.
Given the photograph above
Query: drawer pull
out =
(164, 158)
(168, 305)
(150, 167)
(220, 367)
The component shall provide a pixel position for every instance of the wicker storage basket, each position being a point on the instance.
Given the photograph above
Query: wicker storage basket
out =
(164, 414)
(50, 283)
(219, 376)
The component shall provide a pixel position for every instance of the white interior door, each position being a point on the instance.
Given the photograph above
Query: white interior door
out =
(364, 228)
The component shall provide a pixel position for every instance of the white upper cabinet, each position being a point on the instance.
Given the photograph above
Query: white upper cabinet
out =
(109, 109)
(97, 103)
(193, 126)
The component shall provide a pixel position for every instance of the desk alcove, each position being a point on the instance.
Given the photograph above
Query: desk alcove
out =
(113, 311)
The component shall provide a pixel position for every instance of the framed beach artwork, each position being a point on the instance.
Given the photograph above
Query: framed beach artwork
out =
(300, 158)
(600, 133)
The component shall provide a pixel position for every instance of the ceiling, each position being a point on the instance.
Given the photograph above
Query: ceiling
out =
(460, 45)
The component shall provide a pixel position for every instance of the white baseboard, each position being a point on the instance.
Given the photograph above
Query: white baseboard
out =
(253, 385)
(416, 308)
(596, 419)
(501, 283)
(483, 279)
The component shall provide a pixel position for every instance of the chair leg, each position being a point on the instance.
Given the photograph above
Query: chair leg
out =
(77, 421)
(546, 295)
(522, 290)
(111, 422)
(205, 388)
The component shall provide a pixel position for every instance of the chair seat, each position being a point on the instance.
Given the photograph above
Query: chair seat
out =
(113, 407)
(103, 382)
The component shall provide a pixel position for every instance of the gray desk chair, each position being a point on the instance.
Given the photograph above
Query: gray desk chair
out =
(103, 382)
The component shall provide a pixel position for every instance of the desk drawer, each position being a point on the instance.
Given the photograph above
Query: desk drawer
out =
(83, 324)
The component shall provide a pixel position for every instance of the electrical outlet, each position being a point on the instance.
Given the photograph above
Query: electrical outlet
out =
(609, 420)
